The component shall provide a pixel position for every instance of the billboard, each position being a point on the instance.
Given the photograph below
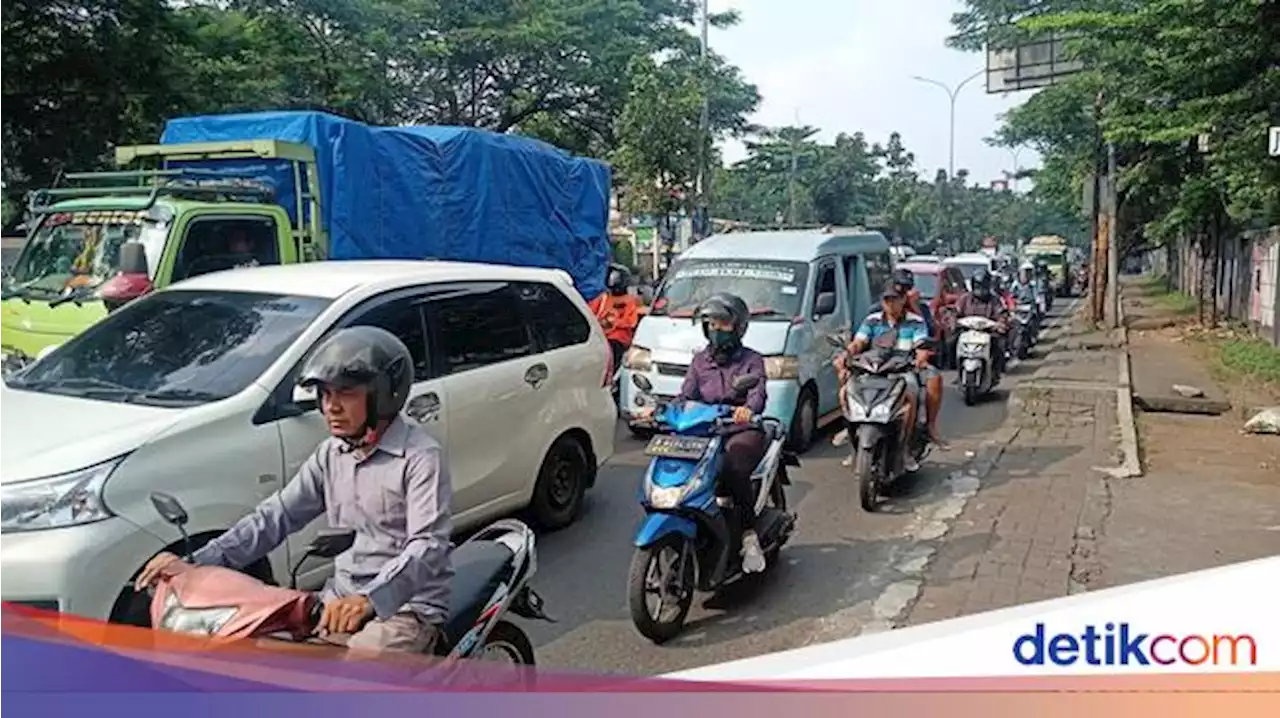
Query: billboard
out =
(1029, 65)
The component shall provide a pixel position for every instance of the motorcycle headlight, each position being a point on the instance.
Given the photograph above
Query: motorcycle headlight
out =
(196, 621)
(68, 499)
(880, 412)
(669, 497)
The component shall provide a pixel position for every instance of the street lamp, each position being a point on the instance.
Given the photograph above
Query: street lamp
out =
(704, 128)
(951, 94)
(1014, 152)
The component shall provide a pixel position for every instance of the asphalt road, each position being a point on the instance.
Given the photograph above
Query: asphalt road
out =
(839, 561)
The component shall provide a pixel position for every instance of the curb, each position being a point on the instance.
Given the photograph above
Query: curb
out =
(1131, 463)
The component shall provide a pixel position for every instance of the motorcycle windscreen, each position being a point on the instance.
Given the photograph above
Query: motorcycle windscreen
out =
(690, 415)
(258, 608)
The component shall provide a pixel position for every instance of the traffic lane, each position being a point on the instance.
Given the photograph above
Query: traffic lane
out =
(836, 564)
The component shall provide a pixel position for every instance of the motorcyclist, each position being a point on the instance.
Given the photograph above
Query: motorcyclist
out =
(982, 301)
(724, 318)
(893, 327)
(930, 378)
(376, 474)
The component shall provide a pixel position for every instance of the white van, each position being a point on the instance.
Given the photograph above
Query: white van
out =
(191, 391)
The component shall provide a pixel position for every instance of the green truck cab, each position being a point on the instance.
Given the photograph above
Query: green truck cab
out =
(172, 217)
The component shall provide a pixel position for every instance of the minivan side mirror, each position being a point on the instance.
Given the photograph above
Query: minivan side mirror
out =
(745, 382)
(304, 398)
(824, 304)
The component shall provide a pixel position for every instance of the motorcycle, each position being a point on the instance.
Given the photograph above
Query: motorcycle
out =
(491, 577)
(1028, 327)
(688, 541)
(975, 359)
(875, 407)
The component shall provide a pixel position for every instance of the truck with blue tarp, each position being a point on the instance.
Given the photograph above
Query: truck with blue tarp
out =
(223, 191)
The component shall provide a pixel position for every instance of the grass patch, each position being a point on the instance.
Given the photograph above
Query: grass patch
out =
(1251, 359)
(1157, 290)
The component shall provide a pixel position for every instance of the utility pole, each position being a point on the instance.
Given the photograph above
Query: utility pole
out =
(791, 175)
(704, 129)
(1113, 246)
(1097, 277)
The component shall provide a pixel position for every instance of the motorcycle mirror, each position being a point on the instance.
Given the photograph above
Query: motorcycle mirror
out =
(745, 382)
(835, 340)
(642, 382)
(330, 543)
(169, 509)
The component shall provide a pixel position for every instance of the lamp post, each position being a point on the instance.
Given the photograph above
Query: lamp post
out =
(952, 93)
(704, 127)
(1013, 178)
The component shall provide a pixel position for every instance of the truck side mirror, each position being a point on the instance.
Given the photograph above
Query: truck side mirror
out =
(133, 281)
(825, 304)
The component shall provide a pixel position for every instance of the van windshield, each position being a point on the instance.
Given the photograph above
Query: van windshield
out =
(773, 290)
(175, 348)
(81, 250)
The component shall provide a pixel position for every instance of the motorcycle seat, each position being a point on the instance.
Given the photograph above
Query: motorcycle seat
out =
(478, 568)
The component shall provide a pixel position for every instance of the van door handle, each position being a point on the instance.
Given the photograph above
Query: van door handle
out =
(424, 408)
(536, 375)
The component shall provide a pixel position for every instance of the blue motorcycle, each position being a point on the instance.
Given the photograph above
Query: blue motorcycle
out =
(689, 540)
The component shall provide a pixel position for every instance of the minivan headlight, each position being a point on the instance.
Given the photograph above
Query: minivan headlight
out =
(638, 359)
(68, 499)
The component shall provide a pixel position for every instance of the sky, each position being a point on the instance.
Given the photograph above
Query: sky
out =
(847, 66)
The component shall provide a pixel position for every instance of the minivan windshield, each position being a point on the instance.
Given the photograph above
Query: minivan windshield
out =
(927, 285)
(772, 290)
(81, 250)
(175, 348)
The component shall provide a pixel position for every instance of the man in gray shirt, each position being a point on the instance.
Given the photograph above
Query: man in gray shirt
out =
(378, 476)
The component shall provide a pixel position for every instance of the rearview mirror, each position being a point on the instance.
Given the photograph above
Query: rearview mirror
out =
(836, 341)
(305, 397)
(133, 259)
(169, 509)
(745, 383)
(825, 304)
(642, 382)
(330, 543)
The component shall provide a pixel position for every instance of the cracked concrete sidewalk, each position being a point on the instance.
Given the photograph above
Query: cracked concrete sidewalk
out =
(1047, 523)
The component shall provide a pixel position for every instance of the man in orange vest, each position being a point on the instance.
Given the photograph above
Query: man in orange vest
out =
(618, 311)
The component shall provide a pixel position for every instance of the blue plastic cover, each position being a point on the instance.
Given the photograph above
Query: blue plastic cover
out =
(448, 193)
(692, 415)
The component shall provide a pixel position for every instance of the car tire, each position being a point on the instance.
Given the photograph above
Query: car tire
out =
(804, 423)
(560, 491)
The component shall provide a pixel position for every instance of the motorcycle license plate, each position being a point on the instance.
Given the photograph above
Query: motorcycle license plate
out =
(669, 446)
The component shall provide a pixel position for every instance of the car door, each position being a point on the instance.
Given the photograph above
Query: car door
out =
(495, 388)
(402, 314)
(826, 278)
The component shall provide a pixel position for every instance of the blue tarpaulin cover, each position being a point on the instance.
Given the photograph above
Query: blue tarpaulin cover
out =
(450, 193)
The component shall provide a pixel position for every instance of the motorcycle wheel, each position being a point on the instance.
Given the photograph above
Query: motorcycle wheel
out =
(666, 620)
(508, 643)
(970, 394)
(868, 486)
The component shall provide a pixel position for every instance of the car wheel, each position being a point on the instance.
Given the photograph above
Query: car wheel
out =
(804, 424)
(560, 491)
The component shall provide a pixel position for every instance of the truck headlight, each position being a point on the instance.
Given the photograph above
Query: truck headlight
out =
(638, 359)
(68, 499)
(196, 621)
(782, 367)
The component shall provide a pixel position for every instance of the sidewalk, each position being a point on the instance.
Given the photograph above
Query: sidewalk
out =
(1045, 523)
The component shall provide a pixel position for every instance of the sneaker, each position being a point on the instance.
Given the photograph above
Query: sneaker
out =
(752, 556)
(847, 461)
(841, 438)
(911, 465)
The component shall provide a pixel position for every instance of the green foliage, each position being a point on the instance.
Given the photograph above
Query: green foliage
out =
(1251, 358)
(1168, 72)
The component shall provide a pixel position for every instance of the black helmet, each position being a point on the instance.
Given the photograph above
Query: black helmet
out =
(981, 283)
(726, 307)
(904, 277)
(364, 356)
(618, 279)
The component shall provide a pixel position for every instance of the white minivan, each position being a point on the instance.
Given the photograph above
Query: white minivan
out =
(190, 391)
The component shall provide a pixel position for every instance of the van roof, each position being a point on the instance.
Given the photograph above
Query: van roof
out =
(787, 245)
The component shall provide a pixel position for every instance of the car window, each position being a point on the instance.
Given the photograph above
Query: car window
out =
(555, 321)
(879, 270)
(214, 244)
(826, 280)
(176, 348)
(403, 318)
(478, 324)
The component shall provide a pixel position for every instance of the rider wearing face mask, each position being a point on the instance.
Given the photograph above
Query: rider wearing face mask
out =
(983, 301)
(724, 319)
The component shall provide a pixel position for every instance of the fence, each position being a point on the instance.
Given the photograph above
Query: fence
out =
(1239, 282)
